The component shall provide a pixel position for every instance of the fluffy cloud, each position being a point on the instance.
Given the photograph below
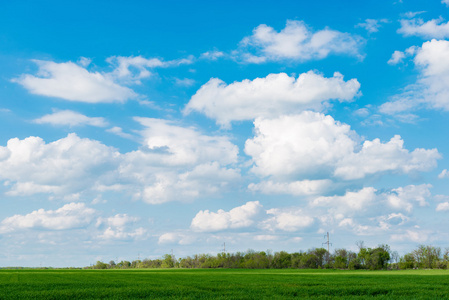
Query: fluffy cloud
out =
(179, 163)
(350, 202)
(72, 215)
(134, 68)
(212, 55)
(286, 220)
(175, 145)
(314, 145)
(442, 206)
(372, 25)
(72, 82)
(176, 238)
(242, 216)
(173, 163)
(435, 28)
(404, 197)
(431, 89)
(297, 188)
(65, 166)
(296, 42)
(396, 57)
(118, 227)
(273, 95)
(411, 235)
(71, 118)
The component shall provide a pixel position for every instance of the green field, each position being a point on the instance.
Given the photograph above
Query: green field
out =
(223, 284)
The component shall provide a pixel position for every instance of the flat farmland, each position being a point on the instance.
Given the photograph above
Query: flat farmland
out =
(223, 284)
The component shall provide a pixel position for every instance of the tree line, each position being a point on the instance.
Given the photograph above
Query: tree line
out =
(379, 258)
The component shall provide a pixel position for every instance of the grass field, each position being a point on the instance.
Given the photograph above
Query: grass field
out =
(223, 284)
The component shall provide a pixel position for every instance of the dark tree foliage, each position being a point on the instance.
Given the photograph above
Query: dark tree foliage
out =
(379, 258)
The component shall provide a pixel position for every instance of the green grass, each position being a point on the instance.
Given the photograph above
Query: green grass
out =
(223, 284)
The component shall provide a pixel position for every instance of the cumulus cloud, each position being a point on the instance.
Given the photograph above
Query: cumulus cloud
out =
(173, 163)
(351, 201)
(404, 197)
(239, 217)
(435, 28)
(286, 220)
(212, 55)
(65, 166)
(179, 163)
(296, 42)
(176, 238)
(431, 89)
(396, 57)
(273, 95)
(72, 82)
(117, 227)
(443, 174)
(311, 145)
(411, 235)
(71, 118)
(297, 188)
(442, 206)
(372, 25)
(72, 215)
(134, 68)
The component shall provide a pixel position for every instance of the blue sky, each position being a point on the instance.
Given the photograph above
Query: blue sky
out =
(131, 129)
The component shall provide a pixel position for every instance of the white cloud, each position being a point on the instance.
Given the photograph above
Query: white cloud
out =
(71, 118)
(273, 95)
(72, 82)
(375, 157)
(350, 202)
(314, 145)
(442, 206)
(396, 57)
(239, 217)
(392, 220)
(443, 174)
(297, 188)
(176, 238)
(119, 131)
(72, 215)
(173, 163)
(431, 90)
(411, 235)
(175, 145)
(187, 82)
(286, 220)
(118, 227)
(296, 42)
(64, 166)
(135, 68)
(266, 237)
(212, 55)
(404, 197)
(372, 25)
(412, 14)
(445, 2)
(435, 28)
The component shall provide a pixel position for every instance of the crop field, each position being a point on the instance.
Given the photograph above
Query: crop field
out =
(223, 284)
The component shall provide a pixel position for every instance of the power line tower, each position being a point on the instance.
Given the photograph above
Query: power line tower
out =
(224, 247)
(327, 242)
